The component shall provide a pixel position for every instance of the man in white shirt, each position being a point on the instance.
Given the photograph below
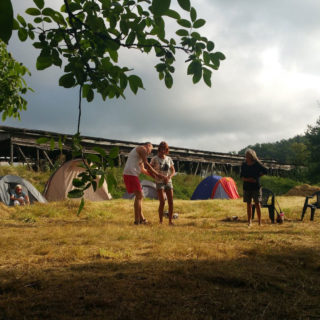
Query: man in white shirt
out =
(137, 163)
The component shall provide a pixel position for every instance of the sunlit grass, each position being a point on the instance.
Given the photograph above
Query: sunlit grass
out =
(99, 265)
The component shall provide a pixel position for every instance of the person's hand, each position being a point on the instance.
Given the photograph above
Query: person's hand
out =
(251, 180)
(165, 179)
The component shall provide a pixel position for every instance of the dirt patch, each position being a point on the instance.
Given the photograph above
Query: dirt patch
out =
(302, 190)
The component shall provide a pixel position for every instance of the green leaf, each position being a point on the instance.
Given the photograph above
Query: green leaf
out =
(206, 57)
(193, 14)
(73, 6)
(22, 34)
(130, 39)
(93, 158)
(100, 151)
(6, 20)
(114, 152)
(21, 20)
(81, 206)
(33, 12)
(172, 14)
(135, 83)
(67, 81)
(199, 23)
(39, 3)
(78, 183)
(184, 23)
(42, 140)
(47, 19)
(207, 77)
(37, 20)
(85, 90)
(182, 32)
(220, 55)
(43, 62)
(185, 4)
(111, 181)
(194, 67)
(90, 95)
(216, 57)
(75, 193)
(196, 35)
(101, 181)
(196, 78)
(168, 80)
(159, 7)
(210, 45)
(113, 55)
(15, 24)
(48, 12)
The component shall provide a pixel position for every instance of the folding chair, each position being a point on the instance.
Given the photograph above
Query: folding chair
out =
(313, 206)
(268, 200)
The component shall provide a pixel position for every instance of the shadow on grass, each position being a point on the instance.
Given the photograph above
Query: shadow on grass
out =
(281, 285)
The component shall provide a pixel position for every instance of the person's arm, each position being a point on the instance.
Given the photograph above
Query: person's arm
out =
(248, 179)
(263, 170)
(27, 200)
(146, 167)
(172, 170)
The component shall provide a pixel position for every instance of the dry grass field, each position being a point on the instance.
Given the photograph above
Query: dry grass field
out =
(99, 265)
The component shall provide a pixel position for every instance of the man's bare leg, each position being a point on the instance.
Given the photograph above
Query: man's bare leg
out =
(138, 216)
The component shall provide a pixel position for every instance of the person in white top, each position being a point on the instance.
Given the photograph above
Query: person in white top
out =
(137, 163)
(163, 164)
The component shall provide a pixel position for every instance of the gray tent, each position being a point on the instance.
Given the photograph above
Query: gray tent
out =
(148, 189)
(8, 183)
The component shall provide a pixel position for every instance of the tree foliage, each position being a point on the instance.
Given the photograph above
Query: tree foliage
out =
(85, 37)
(12, 85)
(313, 138)
(290, 151)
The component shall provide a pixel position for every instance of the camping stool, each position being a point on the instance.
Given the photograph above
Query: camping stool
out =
(313, 206)
(266, 195)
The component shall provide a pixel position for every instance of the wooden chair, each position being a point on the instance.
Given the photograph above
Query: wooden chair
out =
(268, 200)
(313, 206)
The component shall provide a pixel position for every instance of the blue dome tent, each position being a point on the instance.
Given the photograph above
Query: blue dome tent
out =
(216, 187)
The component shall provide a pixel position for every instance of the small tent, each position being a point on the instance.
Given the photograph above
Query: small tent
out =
(60, 183)
(216, 187)
(148, 189)
(8, 184)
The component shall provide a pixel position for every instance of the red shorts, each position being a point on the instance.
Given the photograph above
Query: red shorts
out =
(132, 183)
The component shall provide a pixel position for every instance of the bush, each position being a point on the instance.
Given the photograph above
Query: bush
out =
(278, 185)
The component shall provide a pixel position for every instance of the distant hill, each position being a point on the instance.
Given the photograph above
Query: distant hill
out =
(290, 151)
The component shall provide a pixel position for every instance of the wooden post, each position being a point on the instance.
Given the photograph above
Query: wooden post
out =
(38, 160)
(25, 158)
(195, 172)
(49, 160)
(11, 152)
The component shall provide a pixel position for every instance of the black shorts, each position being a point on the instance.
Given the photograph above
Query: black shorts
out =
(255, 195)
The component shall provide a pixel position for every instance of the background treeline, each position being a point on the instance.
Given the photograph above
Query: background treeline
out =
(302, 150)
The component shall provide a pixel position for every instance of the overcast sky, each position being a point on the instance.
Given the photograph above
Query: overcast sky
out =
(266, 90)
